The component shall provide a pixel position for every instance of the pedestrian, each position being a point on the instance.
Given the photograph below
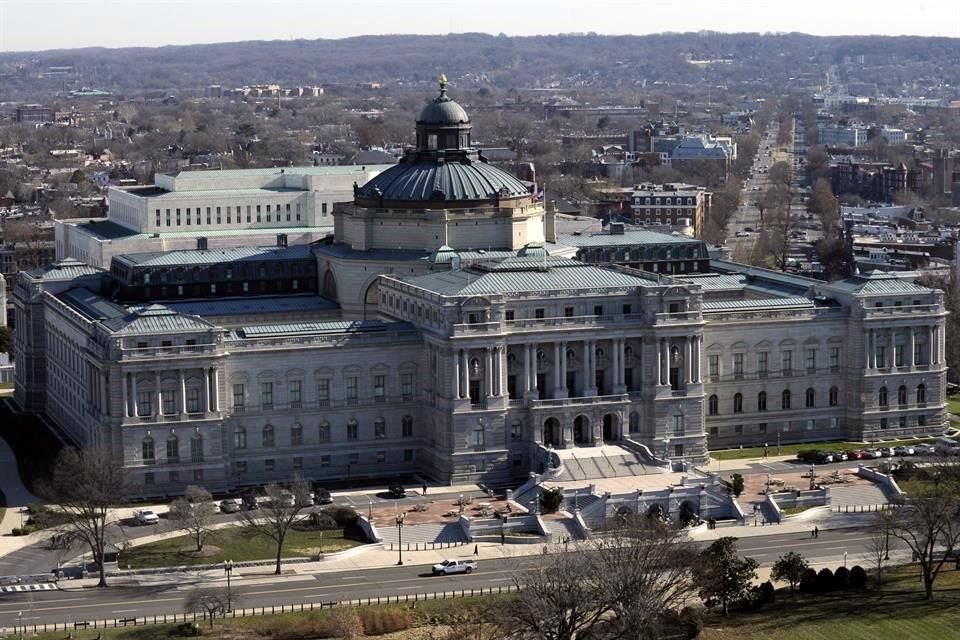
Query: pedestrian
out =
(424, 490)
(816, 532)
(813, 532)
(476, 549)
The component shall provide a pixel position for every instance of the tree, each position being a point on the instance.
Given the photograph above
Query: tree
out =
(879, 543)
(824, 205)
(824, 582)
(194, 514)
(280, 511)
(929, 521)
(781, 174)
(85, 483)
(722, 576)
(208, 602)
(552, 499)
(736, 484)
(789, 568)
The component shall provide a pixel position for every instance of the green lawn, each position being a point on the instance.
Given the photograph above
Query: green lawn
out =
(895, 611)
(234, 543)
(792, 449)
(953, 405)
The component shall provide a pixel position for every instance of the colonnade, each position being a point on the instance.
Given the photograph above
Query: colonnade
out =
(209, 393)
(887, 338)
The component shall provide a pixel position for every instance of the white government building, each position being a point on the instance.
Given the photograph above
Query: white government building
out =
(445, 331)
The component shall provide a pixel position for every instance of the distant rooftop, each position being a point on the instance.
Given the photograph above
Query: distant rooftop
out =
(215, 256)
(321, 328)
(253, 305)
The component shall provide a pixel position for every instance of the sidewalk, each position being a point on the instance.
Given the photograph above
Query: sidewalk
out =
(720, 466)
(17, 496)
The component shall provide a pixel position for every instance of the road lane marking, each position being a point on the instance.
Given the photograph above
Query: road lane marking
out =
(125, 610)
(315, 595)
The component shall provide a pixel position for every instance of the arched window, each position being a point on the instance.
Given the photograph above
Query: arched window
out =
(921, 394)
(902, 397)
(379, 428)
(882, 397)
(147, 451)
(628, 354)
(834, 396)
(324, 435)
(738, 403)
(296, 435)
(762, 401)
(785, 399)
(239, 438)
(196, 448)
(811, 398)
(407, 426)
(713, 405)
(268, 436)
(173, 449)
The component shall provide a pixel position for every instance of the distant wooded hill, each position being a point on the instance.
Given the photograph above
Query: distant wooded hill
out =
(472, 59)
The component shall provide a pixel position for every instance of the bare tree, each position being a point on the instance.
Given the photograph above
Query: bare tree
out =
(85, 483)
(280, 511)
(929, 521)
(879, 543)
(209, 602)
(194, 514)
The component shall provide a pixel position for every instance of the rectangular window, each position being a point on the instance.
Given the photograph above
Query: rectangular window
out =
(762, 427)
(738, 429)
(296, 436)
(193, 400)
(381, 457)
(188, 215)
(298, 464)
(238, 400)
(786, 363)
(811, 360)
(198, 475)
(407, 427)
(516, 432)
(353, 458)
(324, 433)
(240, 467)
(568, 312)
(174, 476)
(178, 217)
(598, 310)
(351, 387)
(408, 455)
(324, 461)
(509, 315)
(173, 450)
(144, 404)
(296, 394)
(218, 214)
(169, 402)
(298, 212)
(268, 214)
(379, 388)
(380, 429)
(259, 219)
(763, 365)
(538, 313)
(713, 363)
(168, 217)
(881, 356)
(158, 217)
(353, 432)
(811, 424)
(196, 449)
(323, 392)
(269, 465)
(208, 215)
(323, 208)
(883, 423)
(248, 213)
(406, 386)
(921, 421)
(266, 396)
(149, 479)
(738, 366)
(898, 354)
(678, 425)
(714, 431)
(834, 422)
(834, 357)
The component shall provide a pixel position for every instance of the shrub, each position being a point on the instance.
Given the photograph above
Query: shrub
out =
(323, 521)
(824, 581)
(690, 622)
(551, 499)
(736, 484)
(377, 621)
(343, 516)
(767, 592)
(858, 577)
(841, 578)
(344, 623)
(808, 581)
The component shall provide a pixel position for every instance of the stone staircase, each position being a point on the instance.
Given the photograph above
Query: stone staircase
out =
(420, 533)
(593, 467)
(858, 495)
(563, 529)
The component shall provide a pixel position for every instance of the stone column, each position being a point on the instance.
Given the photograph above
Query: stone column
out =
(456, 374)
(206, 389)
(659, 346)
(526, 369)
(125, 392)
(564, 392)
(533, 370)
(913, 348)
(931, 348)
(159, 394)
(183, 393)
(133, 381)
(665, 361)
(104, 379)
(893, 349)
(873, 349)
(688, 360)
(216, 389)
(464, 374)
(556, 369)
(488, 371)
(697, 345)
(590, 368)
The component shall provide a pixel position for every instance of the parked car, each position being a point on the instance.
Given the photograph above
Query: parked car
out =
(904, 450)
(855, 454)
(925, 450)
(230, 505)
(250, 502)
(322, 496)
(872, 453)
(448, 567)
(396, 491)
(146, 516)
(886, 452)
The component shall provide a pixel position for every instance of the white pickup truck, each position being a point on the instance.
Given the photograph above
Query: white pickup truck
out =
(146, 516)
(448, 567)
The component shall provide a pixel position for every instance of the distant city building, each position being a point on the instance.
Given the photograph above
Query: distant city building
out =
(34, 113)
(841, 136)
(875, 181)
(673, 204)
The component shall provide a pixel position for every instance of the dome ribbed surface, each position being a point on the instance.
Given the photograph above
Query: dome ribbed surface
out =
(443, 111)
(456, 181)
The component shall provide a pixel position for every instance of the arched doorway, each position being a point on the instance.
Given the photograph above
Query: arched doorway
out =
(370, 301)
(611, 428)
(655, 512)
(551, 432)
(624, 514)
(581, 430)
(688, 513)
(329, 289)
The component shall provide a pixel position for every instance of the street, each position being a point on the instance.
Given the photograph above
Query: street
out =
(263, 590)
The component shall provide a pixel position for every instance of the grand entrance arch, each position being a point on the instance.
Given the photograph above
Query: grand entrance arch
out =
(581, 430)
(552, 435)
(611, 427)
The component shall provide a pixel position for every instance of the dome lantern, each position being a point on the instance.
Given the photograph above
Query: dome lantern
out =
(443, 124)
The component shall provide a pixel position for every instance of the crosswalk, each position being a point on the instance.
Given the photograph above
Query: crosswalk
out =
(19, 588)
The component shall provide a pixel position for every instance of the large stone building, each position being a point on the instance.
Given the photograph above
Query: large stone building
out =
(448, 332)
(671, 204)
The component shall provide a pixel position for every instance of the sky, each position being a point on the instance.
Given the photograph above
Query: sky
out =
(35, 25)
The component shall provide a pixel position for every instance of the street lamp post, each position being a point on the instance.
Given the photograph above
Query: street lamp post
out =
(228, 569)
(20, 623)
(400, 538)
